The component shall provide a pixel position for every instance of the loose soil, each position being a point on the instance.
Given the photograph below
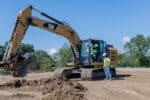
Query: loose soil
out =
(130, 84)
(43, 89)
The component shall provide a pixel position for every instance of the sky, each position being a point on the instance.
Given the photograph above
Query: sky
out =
(115, 21)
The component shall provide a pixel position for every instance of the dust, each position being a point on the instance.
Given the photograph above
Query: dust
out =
(51, 88)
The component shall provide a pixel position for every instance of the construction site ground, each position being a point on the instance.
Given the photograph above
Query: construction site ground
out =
(130, 84)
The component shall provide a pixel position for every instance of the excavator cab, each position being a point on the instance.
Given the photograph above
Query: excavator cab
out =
(91, 52)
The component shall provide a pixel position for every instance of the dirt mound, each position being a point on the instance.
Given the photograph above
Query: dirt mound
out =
(51, 88)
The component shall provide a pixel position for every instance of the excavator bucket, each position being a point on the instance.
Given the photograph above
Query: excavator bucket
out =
(22, 66)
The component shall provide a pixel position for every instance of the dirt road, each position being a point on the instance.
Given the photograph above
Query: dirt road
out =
(132, 84)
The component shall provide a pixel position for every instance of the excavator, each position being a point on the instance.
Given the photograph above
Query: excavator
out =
(85, 64)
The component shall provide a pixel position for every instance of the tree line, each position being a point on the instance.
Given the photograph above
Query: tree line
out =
(137, 54)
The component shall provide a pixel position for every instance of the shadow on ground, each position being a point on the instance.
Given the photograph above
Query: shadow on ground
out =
(121, 76)
(117, 77)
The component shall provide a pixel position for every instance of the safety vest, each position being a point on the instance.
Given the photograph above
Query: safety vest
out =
(106, 62)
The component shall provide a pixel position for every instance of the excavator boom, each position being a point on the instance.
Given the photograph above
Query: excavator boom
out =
(25, 19)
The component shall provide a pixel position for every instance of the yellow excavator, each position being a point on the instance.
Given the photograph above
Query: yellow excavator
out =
(84, 63)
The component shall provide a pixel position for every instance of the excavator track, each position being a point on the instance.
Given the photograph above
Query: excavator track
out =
(95, 73)
(63, 73)
(91, 74)
(84, 74)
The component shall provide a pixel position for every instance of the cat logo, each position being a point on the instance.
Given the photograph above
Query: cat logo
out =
(52, 26)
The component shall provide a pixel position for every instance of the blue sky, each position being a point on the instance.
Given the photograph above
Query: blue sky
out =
(114, 21)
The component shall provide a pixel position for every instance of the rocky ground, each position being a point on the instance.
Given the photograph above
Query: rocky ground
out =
(131, 84)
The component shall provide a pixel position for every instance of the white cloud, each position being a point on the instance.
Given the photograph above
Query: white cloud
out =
(126, 39)
(51, 51)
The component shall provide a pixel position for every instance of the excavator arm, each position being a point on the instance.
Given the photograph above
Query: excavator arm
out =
(25, 19)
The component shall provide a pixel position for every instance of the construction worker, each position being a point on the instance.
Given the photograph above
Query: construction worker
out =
(106, 67)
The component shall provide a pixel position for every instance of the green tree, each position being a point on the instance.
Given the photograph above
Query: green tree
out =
(125, 60)
(1, 52)
(42, 61)
(64, 54)
(24, 48)
(137, 50)
(122, 60)
(56, 60)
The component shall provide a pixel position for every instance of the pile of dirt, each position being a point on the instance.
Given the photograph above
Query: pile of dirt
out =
(51, 88)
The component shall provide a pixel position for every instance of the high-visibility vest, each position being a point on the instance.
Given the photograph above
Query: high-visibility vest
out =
(106, 62)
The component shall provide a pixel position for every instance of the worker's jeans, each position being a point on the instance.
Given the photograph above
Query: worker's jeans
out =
(107, 73)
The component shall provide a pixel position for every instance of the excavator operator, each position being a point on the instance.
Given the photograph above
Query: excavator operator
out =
(94, 51)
